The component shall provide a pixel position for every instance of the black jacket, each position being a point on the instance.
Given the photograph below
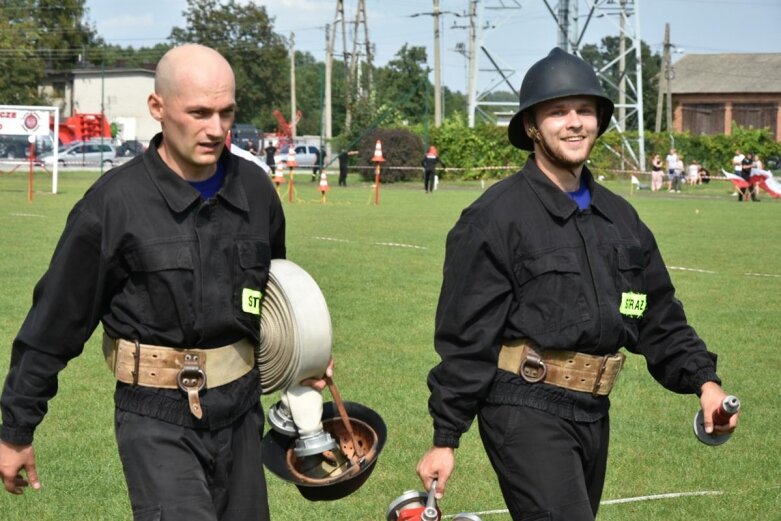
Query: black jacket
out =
(146, 256)
(523, 261)
(429, 163)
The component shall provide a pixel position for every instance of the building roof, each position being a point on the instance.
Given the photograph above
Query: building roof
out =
(727, 74)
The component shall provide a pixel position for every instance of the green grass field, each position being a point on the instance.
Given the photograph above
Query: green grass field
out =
(380, 270)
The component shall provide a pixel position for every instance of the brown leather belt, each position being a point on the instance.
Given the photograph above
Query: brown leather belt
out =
(190, 370)
(568, 369)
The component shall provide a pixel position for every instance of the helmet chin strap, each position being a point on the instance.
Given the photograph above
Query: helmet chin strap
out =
(536, 136)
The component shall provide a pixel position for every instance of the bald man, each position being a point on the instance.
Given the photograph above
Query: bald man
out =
(166, 252)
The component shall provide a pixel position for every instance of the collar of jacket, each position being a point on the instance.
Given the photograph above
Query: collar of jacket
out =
(178, 193)
(559, 204)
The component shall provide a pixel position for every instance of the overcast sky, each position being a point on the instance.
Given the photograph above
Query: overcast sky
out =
(516, 38)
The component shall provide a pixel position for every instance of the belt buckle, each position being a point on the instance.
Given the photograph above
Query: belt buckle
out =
(191, 379)
(191, 376)
(532, 368)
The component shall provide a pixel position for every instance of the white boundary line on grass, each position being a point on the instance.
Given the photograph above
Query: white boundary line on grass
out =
(762, 275)
(25, 215)
(680, 268)
(749, 274)
(399, 245)
(392, 244)
(654, 497)
(332, 239)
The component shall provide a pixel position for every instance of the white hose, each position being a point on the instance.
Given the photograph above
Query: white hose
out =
(295, 328)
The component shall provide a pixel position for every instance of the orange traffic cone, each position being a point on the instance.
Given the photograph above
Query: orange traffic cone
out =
(291, 165)
(279, 177)
(323, 183)
(323, 187)
(291, 157)
(378, 153)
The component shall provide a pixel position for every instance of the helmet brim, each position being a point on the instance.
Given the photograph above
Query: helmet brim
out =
(276, 446)
(516, 130)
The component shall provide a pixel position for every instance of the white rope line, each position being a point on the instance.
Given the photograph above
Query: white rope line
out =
(620, 501)
(762, 275)
(25, 215)
(654, 497)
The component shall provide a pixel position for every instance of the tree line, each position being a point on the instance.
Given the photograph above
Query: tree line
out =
(39, 37)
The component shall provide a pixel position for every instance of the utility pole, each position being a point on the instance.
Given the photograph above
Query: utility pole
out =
(367, 43)
(669, 74)
(293, 119)
(437, 70)
(664, 86)
(472, 75)
(564, 25)
(622, 67)
(329, 63)
(346, 57)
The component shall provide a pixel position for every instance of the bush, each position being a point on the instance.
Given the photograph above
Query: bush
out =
(400, 147)
(471, 148)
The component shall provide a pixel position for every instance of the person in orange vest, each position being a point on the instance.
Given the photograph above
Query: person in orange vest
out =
(430, 168)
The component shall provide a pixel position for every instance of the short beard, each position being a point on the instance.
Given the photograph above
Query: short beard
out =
(560, 160)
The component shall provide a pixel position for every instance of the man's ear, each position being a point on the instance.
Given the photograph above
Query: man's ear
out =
(155, 104)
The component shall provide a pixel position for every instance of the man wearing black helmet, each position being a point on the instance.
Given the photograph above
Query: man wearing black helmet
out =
(547, 275)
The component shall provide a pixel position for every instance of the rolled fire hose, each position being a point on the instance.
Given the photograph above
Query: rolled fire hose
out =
(295, 328)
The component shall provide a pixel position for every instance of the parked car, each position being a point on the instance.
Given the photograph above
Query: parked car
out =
(306, 156)
(14, 147)
(247, 137)
(130, 148)
(88, 153)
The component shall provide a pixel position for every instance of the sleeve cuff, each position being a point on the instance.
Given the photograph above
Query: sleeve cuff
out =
(16, 436)
(446, 439)
(703, 376)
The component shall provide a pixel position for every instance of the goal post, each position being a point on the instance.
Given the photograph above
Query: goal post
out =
(33, 121)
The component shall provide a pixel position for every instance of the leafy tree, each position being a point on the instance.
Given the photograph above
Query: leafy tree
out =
(117, 56)
(404, 84)
(243, 33)
(64, 33)
(602, 54)
(19, 59)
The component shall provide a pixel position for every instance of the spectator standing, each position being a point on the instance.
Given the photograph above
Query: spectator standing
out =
(678, 175)
(737, 162)
(672, 163)
(746, 164)
(271, 151)
(657, 174)
(343, 160)
(429, 164)
(693, 173)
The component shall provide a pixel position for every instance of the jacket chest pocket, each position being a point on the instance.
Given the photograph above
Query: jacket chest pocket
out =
(250, 278)
(552, 292)
(630, 262)
(162, 283)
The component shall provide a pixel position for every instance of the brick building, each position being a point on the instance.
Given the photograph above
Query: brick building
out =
(710, 92)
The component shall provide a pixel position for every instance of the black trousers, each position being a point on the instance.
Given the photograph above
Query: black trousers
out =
(428, 180)
(549, 468)
(176, 473)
